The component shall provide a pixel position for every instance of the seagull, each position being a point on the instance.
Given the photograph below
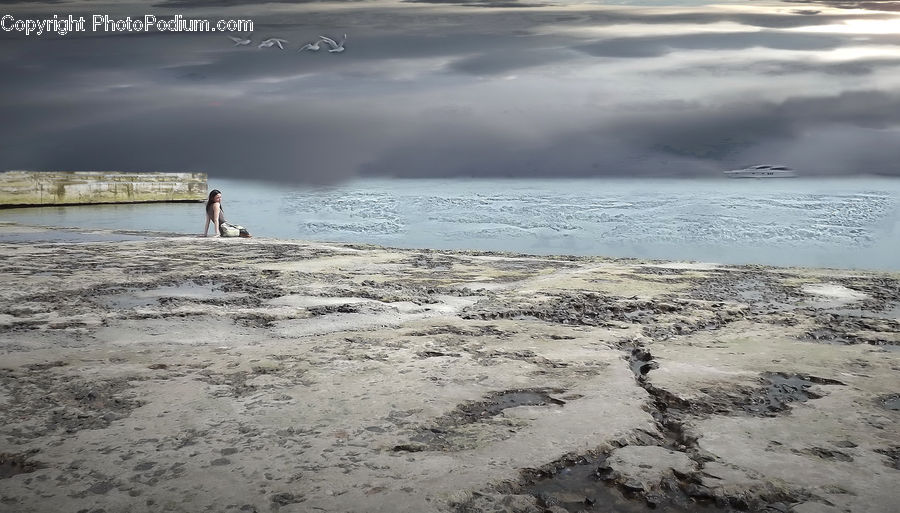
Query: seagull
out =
(238, 41)
(335, 48)
(314, 47)
(273, 41)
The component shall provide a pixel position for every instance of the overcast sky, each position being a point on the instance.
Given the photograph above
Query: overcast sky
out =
(483, 88)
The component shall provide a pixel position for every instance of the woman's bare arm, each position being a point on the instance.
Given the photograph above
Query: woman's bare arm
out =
(216, 209)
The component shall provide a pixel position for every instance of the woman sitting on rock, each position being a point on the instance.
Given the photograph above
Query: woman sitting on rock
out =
(216, 215)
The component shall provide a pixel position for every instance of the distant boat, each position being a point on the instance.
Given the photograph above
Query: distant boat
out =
(763, 171)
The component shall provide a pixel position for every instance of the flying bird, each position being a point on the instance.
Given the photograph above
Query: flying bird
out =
(268, 43)
(239, 41)
(335, 48)
(313, 47)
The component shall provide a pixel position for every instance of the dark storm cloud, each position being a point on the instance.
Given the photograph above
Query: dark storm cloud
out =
(476, 54)
(230, 3)
(510, 60)
(795, 19)
(660, 140)
(656, 46)
(418, 93)
(243, 140)
(871, 109)
(479, 152)
(784, 20)
(42, 68)
(485, 20)
(478, 3)
(44, 63)
(720, 132)
(717, 132)
(784, 67)
(874, 5)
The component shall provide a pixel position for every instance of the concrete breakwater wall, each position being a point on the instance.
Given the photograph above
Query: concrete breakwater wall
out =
(34, 188)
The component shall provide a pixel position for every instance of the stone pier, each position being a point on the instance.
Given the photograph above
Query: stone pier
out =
(42, 188)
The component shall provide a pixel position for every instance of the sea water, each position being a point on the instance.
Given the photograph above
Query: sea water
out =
(844, 223)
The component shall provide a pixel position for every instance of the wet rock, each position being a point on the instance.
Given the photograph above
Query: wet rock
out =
(396, 291)
(777, 391)
(234, 384)
(102, 487)
(763, 293)
(479, 502)
(521, 503)
(70, 404)
(495, 403)
(782, 390)
(45, 365)
(825, 454)
(815, 507)
(890, 402)
(411, 447)
(654, 500)
(659, 271)
(588, 309)
(633, 485)
(882, 291)
(698, 491)
(489, 330)
(436, 354)
(574, 486)
(546, 500)
(332, 309)
(441, 434)
(604, 469)
(849, 330)
(648, 465)
(15, 464)
(489, 357)
(285, 498)
(641, 362)
(893, 456)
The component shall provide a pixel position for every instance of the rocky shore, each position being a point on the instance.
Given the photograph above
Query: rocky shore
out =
(182, 374)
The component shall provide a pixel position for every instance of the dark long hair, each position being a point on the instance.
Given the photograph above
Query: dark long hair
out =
(209, 200)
